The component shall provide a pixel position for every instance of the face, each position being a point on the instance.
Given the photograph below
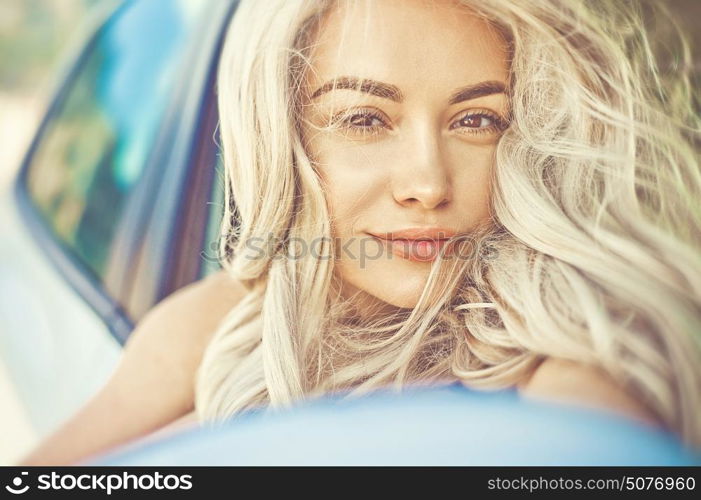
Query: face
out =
(410, 146)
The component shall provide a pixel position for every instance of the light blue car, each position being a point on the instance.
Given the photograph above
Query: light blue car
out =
(118, 204)
(118, 200)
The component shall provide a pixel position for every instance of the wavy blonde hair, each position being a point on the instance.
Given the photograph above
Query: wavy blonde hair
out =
(594, 253)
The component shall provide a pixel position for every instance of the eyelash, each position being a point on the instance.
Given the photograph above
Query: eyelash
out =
(498, 123)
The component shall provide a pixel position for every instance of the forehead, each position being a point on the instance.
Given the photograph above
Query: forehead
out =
(415, 44)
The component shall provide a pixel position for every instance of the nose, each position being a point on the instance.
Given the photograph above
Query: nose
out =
(421, 177)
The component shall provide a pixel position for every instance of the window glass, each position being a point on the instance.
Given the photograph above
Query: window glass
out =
(95, 147)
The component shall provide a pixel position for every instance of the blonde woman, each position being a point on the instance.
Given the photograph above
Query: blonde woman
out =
(503, 193)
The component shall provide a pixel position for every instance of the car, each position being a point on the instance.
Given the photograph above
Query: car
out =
(118, 204)
(118, 200)
(438, 425)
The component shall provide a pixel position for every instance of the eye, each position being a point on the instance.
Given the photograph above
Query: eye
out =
(363, 121)
(479, 122)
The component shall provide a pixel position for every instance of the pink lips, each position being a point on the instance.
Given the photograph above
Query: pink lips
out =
(416, 244)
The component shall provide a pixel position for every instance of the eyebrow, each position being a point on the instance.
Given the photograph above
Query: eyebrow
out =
(476, 90)
(392, 92)
(379, 89)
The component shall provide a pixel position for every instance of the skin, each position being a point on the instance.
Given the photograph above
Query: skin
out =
(419, 161)
(151, 392)
(423, 161)
(416, 170)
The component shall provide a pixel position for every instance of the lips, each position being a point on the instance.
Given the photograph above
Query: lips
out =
(424, 246)
(418, 233)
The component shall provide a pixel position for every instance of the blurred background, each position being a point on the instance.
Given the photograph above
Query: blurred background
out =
(33, 36)
(35, 39)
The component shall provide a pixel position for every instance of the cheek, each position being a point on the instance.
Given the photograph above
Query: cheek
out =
(356, 183)
(353, 182)
(356, 180)
(472, 182)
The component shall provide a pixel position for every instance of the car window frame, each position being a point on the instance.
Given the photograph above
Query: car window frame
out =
(185, 248)
(166, 254)
(64, 260)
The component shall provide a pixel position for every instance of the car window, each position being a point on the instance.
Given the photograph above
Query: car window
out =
(95, 146)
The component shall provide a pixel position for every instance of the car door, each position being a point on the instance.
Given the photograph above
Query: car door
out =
(113, 154)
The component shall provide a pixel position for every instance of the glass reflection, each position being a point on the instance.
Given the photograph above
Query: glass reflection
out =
(95, 149)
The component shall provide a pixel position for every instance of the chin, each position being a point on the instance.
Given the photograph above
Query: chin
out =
(405, 296)
(393, 287)
(404, 301)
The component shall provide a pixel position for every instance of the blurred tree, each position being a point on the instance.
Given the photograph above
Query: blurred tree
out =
(32, 35)
(34, 32)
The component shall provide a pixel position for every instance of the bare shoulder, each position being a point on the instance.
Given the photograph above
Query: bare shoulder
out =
(174, 334)
(153, 383)
(170, 340)
(565, 381)
(190, 314)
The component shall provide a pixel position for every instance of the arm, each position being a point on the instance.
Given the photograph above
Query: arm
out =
(563, 381)
(153, 383)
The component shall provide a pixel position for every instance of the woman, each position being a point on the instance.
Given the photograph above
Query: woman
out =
(540, 149)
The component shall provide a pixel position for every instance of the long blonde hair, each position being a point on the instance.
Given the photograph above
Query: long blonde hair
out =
(594, 254)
